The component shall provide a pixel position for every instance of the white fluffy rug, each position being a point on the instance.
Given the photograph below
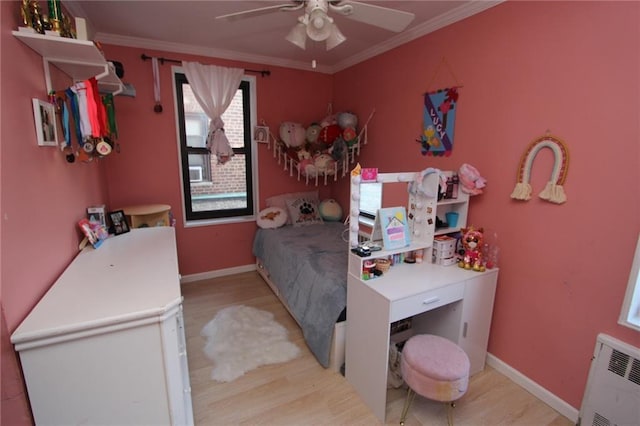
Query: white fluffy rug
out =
(241, 338)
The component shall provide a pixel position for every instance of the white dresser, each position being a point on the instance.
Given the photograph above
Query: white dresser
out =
(105, 345)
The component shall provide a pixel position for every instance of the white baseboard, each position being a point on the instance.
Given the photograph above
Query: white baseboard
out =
(535, 389)
(217, 273)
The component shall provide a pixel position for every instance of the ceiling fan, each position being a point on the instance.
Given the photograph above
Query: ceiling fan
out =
(319, 26)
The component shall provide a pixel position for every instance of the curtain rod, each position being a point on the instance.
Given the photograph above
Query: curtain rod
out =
(175, 61)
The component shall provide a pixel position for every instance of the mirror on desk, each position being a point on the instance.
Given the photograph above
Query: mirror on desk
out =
(393, 190)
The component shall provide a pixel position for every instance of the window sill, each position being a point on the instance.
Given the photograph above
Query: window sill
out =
(633, 323)
(214, 222)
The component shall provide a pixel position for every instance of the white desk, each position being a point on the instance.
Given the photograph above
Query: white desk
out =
(443, 300)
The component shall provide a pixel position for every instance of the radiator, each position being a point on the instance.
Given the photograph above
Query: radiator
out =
(612, 396)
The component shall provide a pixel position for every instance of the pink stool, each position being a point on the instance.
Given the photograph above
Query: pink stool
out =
(435, 368)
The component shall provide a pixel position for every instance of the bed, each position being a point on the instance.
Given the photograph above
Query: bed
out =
(305, 259)
(306, 267)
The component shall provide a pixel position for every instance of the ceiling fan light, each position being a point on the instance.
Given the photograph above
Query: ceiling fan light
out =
(319, 25)
(335, 38)
(298, 36)
(318, 20)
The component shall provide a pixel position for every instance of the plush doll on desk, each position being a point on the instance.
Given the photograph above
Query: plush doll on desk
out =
(471, 245)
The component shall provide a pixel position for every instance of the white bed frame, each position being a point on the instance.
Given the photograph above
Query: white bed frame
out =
(336, 356)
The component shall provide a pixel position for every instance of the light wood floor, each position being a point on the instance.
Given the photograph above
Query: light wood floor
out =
(301, 392)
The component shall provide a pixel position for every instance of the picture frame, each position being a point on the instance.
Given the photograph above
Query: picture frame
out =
(118, 222)
(44, 114)
(394, 226)
(261, 134)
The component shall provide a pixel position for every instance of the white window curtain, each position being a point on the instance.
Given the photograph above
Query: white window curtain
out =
(214, 88)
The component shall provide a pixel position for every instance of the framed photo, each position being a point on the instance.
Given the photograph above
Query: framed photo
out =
(118, 222)
(44, 115)
(261, 134)
(394, 226)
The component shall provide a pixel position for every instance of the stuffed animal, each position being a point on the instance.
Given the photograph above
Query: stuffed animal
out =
(325, 165)
(330, 210)
(313, 139)
(292, 134)
(303, 154)
(472, 240)
(313, 131)
(329, 120)
(350, 136)
(329, 134)
(347, 119)
(305, 163)
(338, 149)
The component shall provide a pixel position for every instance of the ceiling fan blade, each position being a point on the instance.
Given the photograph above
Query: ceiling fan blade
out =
(297, 4)
(383, 17)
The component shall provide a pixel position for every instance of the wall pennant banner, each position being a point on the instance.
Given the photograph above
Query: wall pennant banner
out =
(439, 122)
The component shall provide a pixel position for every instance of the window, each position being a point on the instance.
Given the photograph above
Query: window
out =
(630, 314)
(214, 192)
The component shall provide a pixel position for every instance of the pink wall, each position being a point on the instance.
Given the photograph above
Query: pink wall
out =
(147, 169)
(527, 67)
(42, 199)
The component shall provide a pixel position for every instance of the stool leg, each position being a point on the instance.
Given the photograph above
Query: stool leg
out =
(450, 406)
(407, 402)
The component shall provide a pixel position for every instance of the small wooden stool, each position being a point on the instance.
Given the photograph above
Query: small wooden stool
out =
(148, 215)
(435, 368)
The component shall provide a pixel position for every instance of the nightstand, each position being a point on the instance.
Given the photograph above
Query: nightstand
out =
(148, 215)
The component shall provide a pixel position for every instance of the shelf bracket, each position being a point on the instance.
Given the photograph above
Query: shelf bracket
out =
(47, 75)
(104, 73)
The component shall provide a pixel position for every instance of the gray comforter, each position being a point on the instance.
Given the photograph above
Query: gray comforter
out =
(309, 266)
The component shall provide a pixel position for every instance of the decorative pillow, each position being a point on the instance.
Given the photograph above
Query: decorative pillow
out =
(330, 211)
(304, 211)
(281, 200)
(271, 217)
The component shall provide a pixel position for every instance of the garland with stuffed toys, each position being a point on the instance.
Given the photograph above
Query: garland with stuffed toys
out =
(321, 152)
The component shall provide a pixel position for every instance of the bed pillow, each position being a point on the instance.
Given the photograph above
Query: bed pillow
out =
(304, 211)
(280, 201)
(271, 217)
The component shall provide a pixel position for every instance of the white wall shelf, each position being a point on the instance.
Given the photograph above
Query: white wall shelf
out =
(459, 205)
(79, 59)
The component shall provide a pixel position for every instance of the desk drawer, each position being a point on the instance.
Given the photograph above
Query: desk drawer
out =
(426, 301)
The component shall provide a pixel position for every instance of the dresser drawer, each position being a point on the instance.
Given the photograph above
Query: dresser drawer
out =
(426, 301)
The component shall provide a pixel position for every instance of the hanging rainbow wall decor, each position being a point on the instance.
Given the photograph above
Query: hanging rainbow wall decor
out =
(553, 190)
(439, 122)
